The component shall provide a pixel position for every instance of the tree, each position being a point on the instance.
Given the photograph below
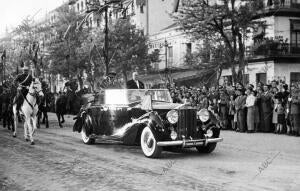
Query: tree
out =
(67, 49)
(128, 48)
(209, 56)
(227, 21)
(28, 39)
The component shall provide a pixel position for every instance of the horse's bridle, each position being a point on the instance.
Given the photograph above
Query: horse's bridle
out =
(35, 94)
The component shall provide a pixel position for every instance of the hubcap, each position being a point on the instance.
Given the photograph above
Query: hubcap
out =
(148, 142)
(83, 135)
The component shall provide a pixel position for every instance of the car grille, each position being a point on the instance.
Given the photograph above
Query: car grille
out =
(187, 122)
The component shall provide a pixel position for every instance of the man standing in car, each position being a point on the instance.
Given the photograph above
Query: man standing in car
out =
(135, 83)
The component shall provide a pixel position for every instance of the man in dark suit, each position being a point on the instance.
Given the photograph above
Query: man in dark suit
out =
(266, 109)
(135, 83)
(239, 103)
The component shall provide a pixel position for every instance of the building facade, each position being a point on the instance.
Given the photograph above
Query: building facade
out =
(273, 49)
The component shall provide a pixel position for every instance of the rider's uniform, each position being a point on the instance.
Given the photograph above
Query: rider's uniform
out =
(109, 84)
(23, 81)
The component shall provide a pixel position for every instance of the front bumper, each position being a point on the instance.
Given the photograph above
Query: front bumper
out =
(189, 143)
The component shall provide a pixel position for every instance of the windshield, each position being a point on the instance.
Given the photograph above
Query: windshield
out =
(128, 96)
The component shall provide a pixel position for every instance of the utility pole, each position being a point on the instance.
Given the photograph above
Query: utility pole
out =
(106, 39)
(166, 56)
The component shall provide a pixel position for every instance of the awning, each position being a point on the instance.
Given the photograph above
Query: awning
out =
(175, 76)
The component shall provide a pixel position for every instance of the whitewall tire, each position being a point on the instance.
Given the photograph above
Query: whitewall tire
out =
(149, 144)
(84, 136)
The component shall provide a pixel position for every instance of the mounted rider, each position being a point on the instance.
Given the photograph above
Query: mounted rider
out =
(110, 82)
(23, 82)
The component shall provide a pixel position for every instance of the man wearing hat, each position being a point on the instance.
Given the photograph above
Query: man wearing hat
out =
(223, 107)
(22, 81)
(240, 103)
(109, 81)
(266, 109)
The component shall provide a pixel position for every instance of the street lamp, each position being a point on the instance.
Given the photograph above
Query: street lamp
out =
(100, 9)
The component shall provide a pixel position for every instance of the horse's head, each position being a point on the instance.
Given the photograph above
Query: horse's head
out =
(35, 88)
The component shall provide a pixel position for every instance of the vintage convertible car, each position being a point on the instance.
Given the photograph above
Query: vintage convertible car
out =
(149, 118)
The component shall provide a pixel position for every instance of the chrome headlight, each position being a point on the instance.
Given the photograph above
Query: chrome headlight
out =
(172, 116)
(203, 115)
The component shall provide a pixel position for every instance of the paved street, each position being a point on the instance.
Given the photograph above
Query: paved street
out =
(60, 161)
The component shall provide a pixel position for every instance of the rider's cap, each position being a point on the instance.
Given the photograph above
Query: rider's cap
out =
(25, 68)
(112, 74)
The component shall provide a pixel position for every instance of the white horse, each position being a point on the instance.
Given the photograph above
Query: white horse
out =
(29, 109)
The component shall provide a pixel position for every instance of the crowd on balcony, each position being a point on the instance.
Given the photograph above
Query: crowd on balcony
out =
(270, 46)
(271, 107)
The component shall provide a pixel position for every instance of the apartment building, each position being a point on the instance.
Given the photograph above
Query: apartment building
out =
(273, 50)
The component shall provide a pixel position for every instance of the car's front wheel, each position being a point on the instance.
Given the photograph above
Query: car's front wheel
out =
(84, 133)
(148, 144)
(207, 149)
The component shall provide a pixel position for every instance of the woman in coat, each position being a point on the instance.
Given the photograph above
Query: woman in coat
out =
(250, 105)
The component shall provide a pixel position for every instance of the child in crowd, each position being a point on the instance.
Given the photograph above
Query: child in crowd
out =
(232, 114)
(280, 116)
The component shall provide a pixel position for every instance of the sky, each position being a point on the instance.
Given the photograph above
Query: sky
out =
(12, 12)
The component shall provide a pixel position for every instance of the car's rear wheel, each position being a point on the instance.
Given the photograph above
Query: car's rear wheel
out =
(148, 144)
(84, 132)
(207, 149)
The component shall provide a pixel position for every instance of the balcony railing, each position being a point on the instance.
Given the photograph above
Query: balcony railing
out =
(273, 49)
(72, 2)
(275, 4)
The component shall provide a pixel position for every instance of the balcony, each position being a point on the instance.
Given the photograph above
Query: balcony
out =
(72, 2)
(277, 8)
(272, 49)
(276, 4)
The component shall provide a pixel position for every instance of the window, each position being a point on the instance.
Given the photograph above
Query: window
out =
(295, 36)
(142, 9)
(295, 77)
(82, 5)
(261, 77)
(98, 22)
(78, 7)
(188, 48)
(91, 22)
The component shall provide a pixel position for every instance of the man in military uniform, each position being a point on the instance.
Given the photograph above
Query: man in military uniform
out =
(109, 82)
(22, 81)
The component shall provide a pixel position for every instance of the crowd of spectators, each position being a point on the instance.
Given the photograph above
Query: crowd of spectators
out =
(271, 107)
